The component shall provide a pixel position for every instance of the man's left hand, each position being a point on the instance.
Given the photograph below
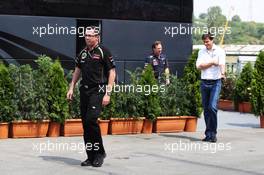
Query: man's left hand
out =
(106, 100)
(223, 77)
(167, 81)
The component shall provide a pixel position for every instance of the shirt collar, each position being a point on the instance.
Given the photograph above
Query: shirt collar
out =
(93, 48)
(158, 57)
(213, 48)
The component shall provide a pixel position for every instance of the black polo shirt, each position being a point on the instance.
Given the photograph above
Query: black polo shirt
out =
(95, 65)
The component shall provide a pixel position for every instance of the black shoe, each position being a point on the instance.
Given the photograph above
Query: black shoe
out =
(87, 162)
(99, 160)
(206, 139)
(213, 140)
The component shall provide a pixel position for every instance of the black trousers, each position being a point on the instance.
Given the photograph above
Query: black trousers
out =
(91, 107)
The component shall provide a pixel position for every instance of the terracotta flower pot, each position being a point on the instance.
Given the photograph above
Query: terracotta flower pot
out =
(191, 123)
(125, 125)
(4, 130)
(147, 126)
(226, 105)
(261, 118)
(72, 127)
(27, 129)
(104, 126)
(244, 107)
(54, 129)
(169, 124)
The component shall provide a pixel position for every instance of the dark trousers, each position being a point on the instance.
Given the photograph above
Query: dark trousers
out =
(210, 95)
(91, 107)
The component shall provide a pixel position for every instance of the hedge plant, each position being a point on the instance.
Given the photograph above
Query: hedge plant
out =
(257, 88)
(6, 95)
(42, 86)
(192, 79)
(58, 104)
(242, 91)
(135, 99)
(151, 104)
(24, 94)
(228, 86)
(174, 101)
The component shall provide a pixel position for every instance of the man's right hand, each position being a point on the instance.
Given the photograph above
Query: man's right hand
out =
(70, 94)
(215, 62)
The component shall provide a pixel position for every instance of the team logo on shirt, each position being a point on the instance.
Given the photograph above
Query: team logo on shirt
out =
(96, 56)
(155, 62)
(84, 55)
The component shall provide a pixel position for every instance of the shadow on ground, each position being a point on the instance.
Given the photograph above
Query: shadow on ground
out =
(246, 125)
(65, 160)
(193, 139)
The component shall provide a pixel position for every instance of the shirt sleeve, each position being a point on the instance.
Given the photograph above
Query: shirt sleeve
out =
(222, 56)
(77, 61)
(166, 63)
(147, 61)
(199, 59)
(108, 60)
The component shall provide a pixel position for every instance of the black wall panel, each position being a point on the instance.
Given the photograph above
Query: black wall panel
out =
(157, 10)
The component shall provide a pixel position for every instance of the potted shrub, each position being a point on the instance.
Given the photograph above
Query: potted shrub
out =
(57, 102)
(242, 90)
(42, 87)
(6, 103)
(192, 79)
(174, 104)
(120, 121)
(125, 106)
(26, 123)
(257, 89)
(135, 103)
(150, 104)
(226, 95)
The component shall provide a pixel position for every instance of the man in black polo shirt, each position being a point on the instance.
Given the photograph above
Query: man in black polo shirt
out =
(159, 62)
(96, 65)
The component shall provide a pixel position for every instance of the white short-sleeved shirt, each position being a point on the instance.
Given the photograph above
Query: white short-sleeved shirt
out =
(205, 56)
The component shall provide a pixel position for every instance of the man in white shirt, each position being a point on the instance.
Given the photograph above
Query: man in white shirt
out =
(211, 62)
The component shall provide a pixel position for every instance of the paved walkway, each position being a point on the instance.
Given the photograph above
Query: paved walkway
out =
(233, 120)
(238, 151)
